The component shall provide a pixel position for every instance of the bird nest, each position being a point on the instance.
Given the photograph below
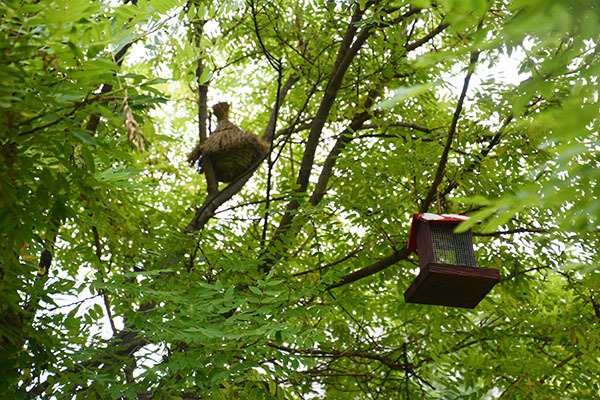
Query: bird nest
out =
(231, 149)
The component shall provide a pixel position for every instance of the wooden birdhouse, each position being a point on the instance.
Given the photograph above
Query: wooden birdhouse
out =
(449, 274)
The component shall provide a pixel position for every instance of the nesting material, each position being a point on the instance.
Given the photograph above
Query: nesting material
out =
(231, 149)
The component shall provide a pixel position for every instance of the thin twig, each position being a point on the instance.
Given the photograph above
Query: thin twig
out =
(418, 43)
(98, 246)
(270, 160)
(511, 232)
(353, 253)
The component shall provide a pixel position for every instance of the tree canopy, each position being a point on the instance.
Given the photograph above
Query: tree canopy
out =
(128, 274)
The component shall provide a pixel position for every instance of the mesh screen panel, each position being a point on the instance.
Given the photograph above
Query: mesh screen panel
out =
(450, 247)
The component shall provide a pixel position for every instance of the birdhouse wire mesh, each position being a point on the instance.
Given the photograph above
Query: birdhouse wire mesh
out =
(452, 248)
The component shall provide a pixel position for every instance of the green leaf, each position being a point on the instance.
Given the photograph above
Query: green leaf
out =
(119, 173)
(229, 293)
(255, 290)
(83, 136)
(402, 93)
(89, 159)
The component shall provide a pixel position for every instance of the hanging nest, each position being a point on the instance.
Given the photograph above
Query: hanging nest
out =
(231, 149)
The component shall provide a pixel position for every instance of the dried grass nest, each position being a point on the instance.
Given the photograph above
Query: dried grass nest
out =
(231, 149)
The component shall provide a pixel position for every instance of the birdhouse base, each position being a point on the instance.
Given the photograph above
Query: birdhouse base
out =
(451, 285)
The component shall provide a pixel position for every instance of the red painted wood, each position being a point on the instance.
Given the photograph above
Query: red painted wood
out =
(419, 220)
(451, 285)
(425, 246)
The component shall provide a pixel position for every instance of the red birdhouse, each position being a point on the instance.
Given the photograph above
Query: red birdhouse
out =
(449, 274)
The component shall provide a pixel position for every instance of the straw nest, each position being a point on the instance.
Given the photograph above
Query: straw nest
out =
(231, 149)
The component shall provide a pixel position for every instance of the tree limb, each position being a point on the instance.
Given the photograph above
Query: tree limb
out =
(268, 133)
(418, 43)
(207, 165)
(479, 158)
(343, 139)
(339, 354)
(511, 276)
(94, 120)
(346, 54)
(402, 124)
(339, 145)
(344, 58)
(374, 268)
(511, 232)
(444, 158)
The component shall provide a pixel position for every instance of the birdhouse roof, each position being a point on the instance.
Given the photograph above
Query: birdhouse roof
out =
(429, 218)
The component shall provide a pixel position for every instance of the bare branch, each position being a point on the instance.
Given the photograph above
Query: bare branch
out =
(444, 158)
(418, 43)
(402, 124)
(511, 232)
(348, 256)
(348, 50)
(94, 120)
(341, 142)
(374, 268)
(268, 133)
(479, 158)
(341, 353)
(274, 62)
(207, 165)
(345, 56)
(562, 364)
(511, 276)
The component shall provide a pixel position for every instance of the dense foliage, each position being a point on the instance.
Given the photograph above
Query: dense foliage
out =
(128, 274)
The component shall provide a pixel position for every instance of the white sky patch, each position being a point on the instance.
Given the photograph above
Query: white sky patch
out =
(505, 71)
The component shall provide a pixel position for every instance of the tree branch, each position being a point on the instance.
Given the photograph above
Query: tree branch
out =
(94, 120)
(511, 232)
(126, 344)
(98, 246)
(339, 354)
(269, 132)
(341, 142)
(479, 158)
(562, 364)
(402, 124)
(418, 43)
(274, 62)
(272, 125)
(320, 188)
(374, 268)
(444, 158)
(346, 54)
(207, 165)
(511, 276)
(353, 253)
